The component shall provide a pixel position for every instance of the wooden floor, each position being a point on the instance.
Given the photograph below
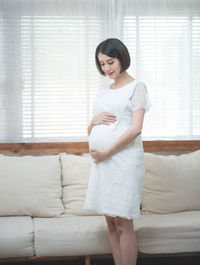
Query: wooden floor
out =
(188, 260)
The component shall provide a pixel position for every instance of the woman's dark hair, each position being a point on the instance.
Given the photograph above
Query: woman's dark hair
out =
(114, 48)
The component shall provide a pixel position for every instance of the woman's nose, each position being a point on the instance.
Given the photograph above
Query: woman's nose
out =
(107, 68)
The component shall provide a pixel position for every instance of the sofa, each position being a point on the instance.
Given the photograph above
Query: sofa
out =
(42, 215)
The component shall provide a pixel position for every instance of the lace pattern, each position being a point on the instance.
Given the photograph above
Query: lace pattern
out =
(115, 184)
(140, 98)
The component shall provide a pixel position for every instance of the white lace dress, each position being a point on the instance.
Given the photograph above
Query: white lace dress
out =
(115, 184)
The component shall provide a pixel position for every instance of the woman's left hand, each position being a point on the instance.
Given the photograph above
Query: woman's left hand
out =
(99, 154)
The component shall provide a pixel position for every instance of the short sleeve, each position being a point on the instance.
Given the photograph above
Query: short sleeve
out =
(140, 98)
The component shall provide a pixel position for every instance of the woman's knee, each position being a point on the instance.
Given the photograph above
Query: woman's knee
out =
(111, 223)
(123, 224)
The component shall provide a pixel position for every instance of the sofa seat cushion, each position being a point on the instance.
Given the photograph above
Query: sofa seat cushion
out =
(168, 233)
(16, 237)
(71, 236)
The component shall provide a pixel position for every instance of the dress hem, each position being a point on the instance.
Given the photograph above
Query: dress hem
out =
(114, 215)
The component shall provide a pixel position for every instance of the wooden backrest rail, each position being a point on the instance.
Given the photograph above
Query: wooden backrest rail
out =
(82, 147)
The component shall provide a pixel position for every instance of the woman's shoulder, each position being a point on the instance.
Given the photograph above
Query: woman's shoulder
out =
(139, 90)
(140, 85)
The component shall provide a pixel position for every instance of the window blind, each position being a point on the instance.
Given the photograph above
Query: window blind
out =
(58, 75)
(48, 77)
(166, 56)
(58, 83)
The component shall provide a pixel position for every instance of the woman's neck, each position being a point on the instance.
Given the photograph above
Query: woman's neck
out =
(122, 80)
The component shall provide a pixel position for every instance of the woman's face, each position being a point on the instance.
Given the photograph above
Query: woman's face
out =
(109, 65)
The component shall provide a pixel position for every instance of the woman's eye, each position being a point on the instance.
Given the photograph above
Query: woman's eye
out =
(108, 63)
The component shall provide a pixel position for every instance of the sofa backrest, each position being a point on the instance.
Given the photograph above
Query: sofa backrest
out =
(171, 183)
(30, 185)
(56, 185)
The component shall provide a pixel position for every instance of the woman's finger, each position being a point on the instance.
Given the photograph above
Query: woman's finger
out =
(92, 150)
(111, 120)
(111, 115)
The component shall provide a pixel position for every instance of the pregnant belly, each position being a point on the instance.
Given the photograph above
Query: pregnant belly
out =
(102, 136)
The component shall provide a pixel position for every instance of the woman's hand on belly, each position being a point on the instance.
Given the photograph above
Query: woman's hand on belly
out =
(103, 118)
(99, 154)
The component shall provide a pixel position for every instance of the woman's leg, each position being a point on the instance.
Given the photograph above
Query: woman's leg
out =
(128, 241)
(114, 240)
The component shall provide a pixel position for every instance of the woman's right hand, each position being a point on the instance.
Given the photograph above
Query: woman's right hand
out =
(103, 118)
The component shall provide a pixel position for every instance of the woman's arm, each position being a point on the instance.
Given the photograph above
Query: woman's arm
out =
(131, 133)
(90, 126)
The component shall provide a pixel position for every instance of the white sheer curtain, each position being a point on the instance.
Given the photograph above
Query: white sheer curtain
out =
(48, 77)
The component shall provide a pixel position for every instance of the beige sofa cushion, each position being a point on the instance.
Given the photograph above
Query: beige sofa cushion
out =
(171, 183)
(71, 236)
(30, 185)
(16, 237)
(156, 234)
(168, 233)
(75, 177)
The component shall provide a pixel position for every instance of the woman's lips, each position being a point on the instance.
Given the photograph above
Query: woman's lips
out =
(110, 73)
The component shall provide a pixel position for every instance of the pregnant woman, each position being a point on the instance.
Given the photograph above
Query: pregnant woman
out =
(115, 145)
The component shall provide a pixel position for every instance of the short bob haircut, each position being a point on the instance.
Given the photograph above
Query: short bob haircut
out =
(116, 49)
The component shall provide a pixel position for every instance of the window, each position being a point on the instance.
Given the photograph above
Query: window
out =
(48, 77)
(166, 53)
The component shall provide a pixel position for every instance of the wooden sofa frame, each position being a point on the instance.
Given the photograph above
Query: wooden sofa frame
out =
(82, 147)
